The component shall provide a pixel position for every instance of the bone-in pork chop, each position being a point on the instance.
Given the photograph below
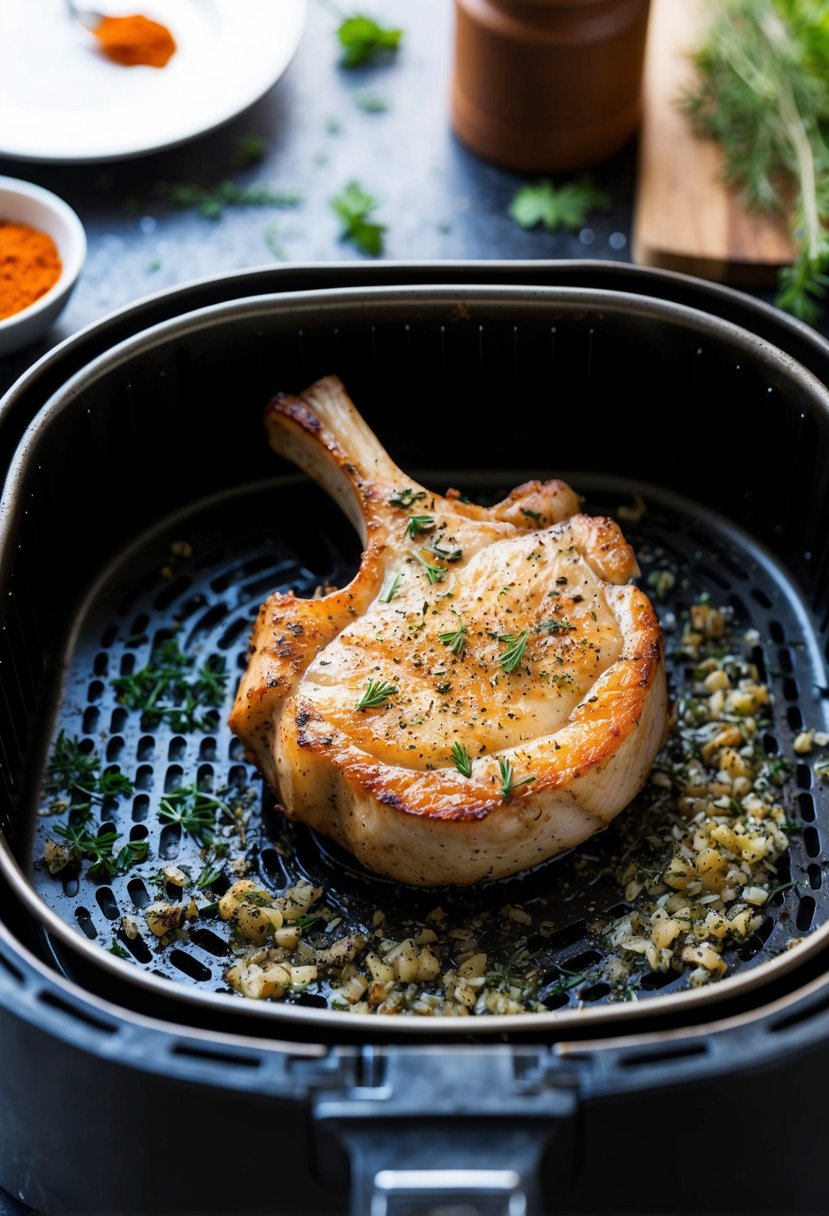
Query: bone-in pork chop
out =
(487, 692)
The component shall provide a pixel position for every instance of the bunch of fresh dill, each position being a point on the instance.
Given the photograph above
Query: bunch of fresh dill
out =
(762, 92)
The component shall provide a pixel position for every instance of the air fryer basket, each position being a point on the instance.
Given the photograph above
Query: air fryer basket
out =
(159, 441)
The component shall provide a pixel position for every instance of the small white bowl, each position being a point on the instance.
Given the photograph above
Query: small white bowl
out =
(24, 203)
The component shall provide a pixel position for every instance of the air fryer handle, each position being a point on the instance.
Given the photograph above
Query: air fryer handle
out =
(463, 1129)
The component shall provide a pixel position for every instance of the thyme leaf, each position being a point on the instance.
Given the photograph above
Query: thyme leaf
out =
(455, 639)
(516, 644)
(376, 692)
(508, 782)
(435, 574)
(461, 759)
(194, 811)
(389, 589)
(406, 497)
(418, 524)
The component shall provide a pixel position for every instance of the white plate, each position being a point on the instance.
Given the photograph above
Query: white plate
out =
(62, 100)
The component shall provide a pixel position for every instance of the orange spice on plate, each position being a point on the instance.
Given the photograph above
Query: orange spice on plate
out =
(135, 40)
(29, 265)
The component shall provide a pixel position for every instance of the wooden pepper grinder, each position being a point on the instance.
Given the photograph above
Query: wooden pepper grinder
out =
(548, 85)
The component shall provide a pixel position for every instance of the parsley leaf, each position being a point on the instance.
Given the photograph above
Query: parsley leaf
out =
(354, 206)
(565, 206)
(364, 40)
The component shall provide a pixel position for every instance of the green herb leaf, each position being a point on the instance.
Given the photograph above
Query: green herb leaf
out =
(435, 574)
(406, 497)
(98, 850)
(461, 759)
(389, 590)
(445, 555)
(516, 644)
(354, 206)
(455, 639)
(194, 811)
(77, 772)
(376, 692)
(508, 782)
(555, 625)
(364, 40)
(419, 523)
(566, 206)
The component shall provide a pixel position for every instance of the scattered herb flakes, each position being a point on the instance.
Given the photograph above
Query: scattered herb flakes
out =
(354, 206)
(363, 40)
(552, 207)
(212, 202)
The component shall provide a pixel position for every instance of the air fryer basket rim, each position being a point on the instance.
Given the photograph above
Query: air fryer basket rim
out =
(402, 299)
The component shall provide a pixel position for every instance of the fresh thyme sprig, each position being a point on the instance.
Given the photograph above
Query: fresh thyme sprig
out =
(98, 849)
(435, 574)
(508, 782)
(389, 588)
(419, 523)
(516, 644)
(406, 497)
(455, 639)
(78, 773)
(761, 92)
(555, 625)
(167, 689)
(376, 692)
(461, 759)
(194, 811)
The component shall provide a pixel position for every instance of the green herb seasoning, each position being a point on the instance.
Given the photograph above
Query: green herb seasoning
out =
(461, 759)
(516, 644)
(376, 693)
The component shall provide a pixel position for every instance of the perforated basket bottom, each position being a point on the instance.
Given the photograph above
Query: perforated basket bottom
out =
(200, 577)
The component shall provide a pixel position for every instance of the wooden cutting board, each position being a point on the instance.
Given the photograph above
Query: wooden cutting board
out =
(684, 218)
